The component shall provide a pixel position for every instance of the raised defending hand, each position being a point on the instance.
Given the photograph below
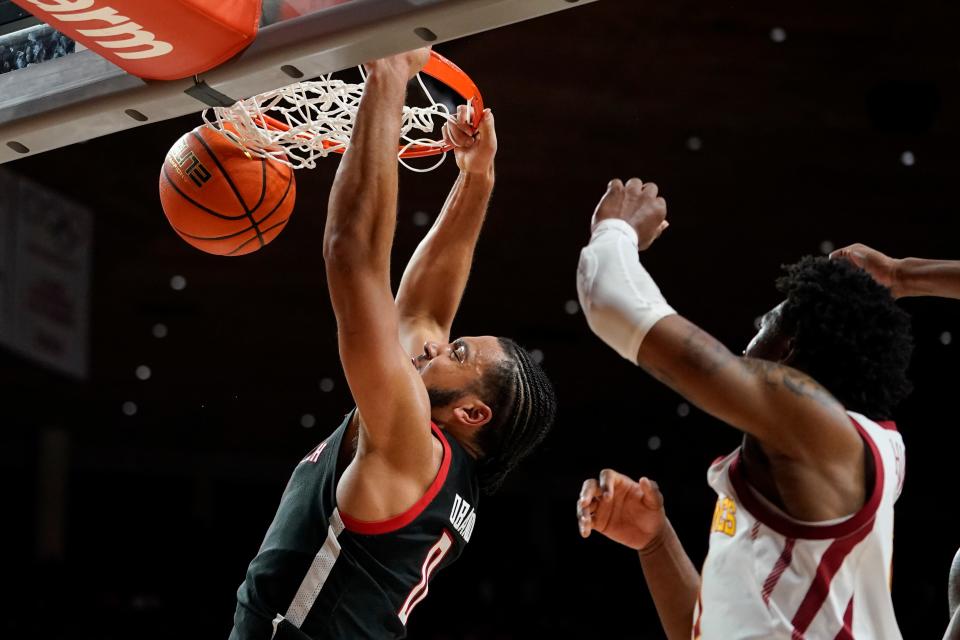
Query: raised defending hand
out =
(638, 204)
(406, 64)
(625, 511)
(474, 150)
(883, 268)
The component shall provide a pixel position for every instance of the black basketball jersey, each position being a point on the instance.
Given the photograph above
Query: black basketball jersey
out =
(321, 574)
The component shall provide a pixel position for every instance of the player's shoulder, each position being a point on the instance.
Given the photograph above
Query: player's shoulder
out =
(877, 431)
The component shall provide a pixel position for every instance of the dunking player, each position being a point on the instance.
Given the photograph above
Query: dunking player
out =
(802, 536)
(911, 277)
(390, 498)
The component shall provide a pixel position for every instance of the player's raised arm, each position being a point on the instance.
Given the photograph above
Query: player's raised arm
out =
(787, 411)
(631, 513)
(906, 277)
(436, 275)
(391, 398)
(626, 309)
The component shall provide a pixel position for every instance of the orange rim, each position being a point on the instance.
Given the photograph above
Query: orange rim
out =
(441, 69)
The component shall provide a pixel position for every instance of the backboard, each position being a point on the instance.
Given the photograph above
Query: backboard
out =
(79, 96)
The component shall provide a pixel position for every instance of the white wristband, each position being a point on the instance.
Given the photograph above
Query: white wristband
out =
(616, 226)
(619, 298)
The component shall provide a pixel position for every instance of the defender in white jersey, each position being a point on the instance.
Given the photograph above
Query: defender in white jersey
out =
(802, 536)
(785, 578)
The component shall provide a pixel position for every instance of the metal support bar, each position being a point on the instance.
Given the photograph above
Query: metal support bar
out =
(82, 96)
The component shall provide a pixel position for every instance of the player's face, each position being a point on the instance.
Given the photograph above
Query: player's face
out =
(771, 342)
(459, 364)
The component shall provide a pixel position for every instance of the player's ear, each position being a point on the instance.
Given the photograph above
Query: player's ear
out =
(783, 342)
(472, 412)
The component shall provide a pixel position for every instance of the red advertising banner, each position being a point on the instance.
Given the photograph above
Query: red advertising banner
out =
(155, 40)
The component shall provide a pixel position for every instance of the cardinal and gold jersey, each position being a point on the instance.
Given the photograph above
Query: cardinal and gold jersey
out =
(770, 576)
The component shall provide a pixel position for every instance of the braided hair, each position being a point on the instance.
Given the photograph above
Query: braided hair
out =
(523, 404)
(848, 334)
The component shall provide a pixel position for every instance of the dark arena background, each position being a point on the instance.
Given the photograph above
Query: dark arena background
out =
(136, 491)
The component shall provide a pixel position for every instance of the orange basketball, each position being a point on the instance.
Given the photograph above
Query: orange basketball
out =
(222, 200)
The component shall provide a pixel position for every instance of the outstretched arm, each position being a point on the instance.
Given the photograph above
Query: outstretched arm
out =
(785, 409)
(906, 277)
(632, 514)
(436, 275)
(789, 413)
(391, 398)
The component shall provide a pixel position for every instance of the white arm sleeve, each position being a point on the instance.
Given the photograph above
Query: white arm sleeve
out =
(619, 298)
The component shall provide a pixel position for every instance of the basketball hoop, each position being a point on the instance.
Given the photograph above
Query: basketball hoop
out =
(304, 121)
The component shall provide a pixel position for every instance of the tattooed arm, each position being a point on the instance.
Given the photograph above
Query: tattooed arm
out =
(812, 448)
(783, 408)
(817, 454)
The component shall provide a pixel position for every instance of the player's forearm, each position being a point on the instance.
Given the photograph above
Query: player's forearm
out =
(361, 216)
(700, 368)
(920, 277)
(774, 403)
(673, 582)
(437, 274)
(625, 308)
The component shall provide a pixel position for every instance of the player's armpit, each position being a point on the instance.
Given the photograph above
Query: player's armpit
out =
(783, 408)
(374, 488)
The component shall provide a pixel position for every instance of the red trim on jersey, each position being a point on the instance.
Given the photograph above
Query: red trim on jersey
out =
(816, 595)
(846, 632)
(889, 425)
(783, 562)
(696, 623)
(791, 529)
(371, 528)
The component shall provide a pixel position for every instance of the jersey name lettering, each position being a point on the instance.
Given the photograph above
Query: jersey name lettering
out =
(314, 455)
(463, 517)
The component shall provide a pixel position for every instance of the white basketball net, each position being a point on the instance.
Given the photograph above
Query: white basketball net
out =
(319, 115)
